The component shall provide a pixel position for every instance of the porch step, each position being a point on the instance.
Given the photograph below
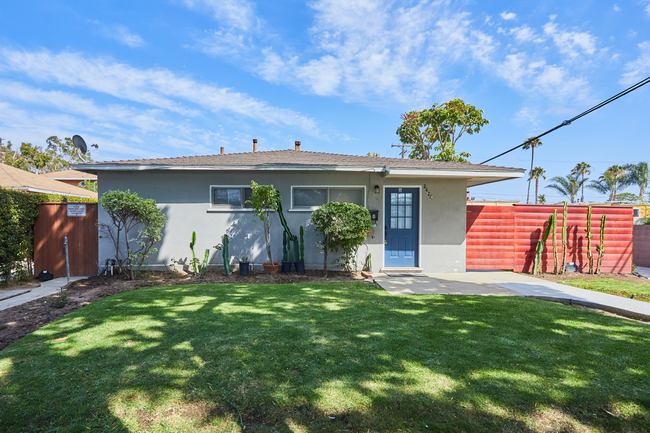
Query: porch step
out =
(401, 270)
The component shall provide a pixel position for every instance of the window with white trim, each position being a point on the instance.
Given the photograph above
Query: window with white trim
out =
(311, 197)
(230, 197)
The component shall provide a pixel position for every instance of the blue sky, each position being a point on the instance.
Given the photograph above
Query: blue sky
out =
(182, 77)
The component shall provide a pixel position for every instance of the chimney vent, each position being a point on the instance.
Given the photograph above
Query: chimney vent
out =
(254, 144)
(297, 145)
(222, 150)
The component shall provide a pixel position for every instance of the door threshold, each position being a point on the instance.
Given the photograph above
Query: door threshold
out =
(398, 269)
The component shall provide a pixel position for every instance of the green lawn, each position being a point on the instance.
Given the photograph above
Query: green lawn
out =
(641, 291)
(286, 358)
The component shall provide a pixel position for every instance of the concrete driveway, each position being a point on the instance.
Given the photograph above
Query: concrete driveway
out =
(501, 283)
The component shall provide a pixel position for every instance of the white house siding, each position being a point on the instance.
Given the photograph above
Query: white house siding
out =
(184, 196)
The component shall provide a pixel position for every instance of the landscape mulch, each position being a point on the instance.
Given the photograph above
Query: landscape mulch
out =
(21, 320)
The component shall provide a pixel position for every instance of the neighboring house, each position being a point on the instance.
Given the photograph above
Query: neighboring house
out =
(71, 177)
(421, 205)
(15, 178)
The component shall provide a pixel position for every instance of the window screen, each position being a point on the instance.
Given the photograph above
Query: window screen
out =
(231, 197)
(309, 197)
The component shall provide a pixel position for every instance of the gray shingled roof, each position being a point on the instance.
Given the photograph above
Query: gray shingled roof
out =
(293, 158)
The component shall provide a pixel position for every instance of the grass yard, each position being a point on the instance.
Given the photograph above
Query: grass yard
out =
(315, 357)
(641, 291)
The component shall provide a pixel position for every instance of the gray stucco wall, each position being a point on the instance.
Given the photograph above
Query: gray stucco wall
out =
(184, 196)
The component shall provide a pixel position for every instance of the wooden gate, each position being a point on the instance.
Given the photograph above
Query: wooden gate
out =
(77, 221)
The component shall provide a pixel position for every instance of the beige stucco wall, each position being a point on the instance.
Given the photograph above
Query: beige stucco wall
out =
(184, 196)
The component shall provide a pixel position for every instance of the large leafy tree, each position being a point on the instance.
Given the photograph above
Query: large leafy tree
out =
(568, 186)
(531, 144)
(637, 174)
(582, 169)
(536, 173)
(604, 185)
(434, 132)
(56, 156)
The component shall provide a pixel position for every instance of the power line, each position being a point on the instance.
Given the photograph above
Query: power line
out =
(584, 113)
(404, 146)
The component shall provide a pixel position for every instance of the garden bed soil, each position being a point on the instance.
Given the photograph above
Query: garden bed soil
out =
(21, 320)
(587, 277)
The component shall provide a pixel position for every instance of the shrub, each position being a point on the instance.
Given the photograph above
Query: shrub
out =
(17, 213)
(128, 211)
(344, 226)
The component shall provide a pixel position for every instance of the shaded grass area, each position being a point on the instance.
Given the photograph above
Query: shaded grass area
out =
(326, 358)
(641, 291)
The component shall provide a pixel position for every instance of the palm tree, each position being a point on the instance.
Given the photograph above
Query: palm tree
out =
(604, 185)
(536, 173)
(531, 143)
(582, 169)
(618, 175)
(637, 174)
(568, 186)
(542, 199)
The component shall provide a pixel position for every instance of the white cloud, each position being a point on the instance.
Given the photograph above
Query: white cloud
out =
(521, 34)
(508, 15)
(570, 43)
(638, 69)
(616, 8)
(155, 87)
(120, 34)
(239, 14)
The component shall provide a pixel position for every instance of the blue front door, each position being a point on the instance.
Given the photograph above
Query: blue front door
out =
(401, 226)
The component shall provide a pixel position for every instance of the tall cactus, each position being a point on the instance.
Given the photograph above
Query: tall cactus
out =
(302, 244)
(285, 247)
(590, 255)
(539, 249)
(554, 231)
(226, 255)
(565, 217)
(204, 265)
(601, 248)
(195, 262)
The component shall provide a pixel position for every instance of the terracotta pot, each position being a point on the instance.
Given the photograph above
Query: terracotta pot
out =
(271, 268)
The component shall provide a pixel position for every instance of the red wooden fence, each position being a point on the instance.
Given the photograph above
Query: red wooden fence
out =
(504, 237)
(52, 225)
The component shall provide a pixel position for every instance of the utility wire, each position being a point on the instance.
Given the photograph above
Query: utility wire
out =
(584, 113)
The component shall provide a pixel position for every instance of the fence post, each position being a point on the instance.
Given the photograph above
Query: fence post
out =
(67, 261)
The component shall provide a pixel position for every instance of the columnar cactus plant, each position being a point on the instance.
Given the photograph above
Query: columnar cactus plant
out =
(302, 244)
(601, 248)
(590, 256)
(226, 256)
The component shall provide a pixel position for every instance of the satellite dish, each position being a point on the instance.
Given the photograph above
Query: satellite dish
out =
(80, 144)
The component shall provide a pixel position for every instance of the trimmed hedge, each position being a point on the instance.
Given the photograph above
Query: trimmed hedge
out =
(17, 214)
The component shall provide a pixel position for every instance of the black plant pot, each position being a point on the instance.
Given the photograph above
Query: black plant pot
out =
(300, 266)
(286, 267)
(243, 268)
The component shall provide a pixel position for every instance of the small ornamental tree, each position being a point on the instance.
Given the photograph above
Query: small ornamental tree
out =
(344, 226)
(127, 212)
(265, 199)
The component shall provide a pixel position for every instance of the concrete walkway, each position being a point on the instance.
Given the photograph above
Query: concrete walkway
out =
(644, 272)
(47, 288)
(511, 284)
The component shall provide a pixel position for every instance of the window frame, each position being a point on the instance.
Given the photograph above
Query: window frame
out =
(225, 208)
(328, 187)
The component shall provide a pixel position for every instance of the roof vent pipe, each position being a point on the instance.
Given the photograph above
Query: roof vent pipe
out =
(222, 150)
(297, 145)
(254, 144)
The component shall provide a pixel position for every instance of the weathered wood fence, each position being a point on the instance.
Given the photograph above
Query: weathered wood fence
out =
(641, 254)
(504, 237)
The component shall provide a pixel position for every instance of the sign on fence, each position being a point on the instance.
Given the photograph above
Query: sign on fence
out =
(76, 210)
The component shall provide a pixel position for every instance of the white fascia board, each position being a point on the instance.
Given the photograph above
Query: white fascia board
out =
(95, 168)
(47, 191)
(396, 172)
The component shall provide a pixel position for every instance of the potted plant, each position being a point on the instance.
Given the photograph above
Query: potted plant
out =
(244, 266)
(264, 200)
(300, 264)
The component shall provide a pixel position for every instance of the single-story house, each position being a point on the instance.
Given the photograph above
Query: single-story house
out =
(420, 206)
(71, 177)
(15, 178)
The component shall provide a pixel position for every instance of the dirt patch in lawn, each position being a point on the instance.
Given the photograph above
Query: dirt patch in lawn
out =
(21, 320)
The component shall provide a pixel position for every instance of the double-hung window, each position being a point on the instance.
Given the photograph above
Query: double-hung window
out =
(230, 197)
(311, 197)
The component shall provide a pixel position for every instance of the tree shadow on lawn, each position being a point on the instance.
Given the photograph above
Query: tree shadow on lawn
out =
(289, 357)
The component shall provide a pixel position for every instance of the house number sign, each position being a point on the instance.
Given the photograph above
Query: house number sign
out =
(76, 210)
